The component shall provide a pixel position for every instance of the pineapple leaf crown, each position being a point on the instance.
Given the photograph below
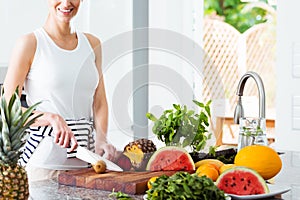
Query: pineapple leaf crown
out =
(13, 125)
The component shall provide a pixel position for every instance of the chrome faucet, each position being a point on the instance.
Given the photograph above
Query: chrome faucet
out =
(239, 110)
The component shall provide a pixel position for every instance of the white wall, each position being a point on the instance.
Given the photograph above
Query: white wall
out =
(288, 76)
(16, 18)
(175, 36)
(111, 21)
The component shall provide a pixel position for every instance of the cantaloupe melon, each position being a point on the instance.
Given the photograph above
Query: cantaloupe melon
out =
(262, 159)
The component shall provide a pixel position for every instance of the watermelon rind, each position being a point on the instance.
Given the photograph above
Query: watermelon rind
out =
(171, 152)
(239, 169)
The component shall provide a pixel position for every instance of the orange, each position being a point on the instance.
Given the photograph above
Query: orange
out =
(150, 181)
(200, 168)
(225, 167)
(209, 171)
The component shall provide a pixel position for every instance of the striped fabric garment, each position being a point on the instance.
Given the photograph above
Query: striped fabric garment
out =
(82, 129)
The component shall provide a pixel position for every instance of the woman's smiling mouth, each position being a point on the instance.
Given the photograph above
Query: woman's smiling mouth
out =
(65, 10)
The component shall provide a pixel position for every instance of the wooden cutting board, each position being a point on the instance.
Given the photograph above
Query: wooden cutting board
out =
(127, 182)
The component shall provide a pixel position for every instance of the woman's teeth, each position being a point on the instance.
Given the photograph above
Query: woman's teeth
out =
(66, 11)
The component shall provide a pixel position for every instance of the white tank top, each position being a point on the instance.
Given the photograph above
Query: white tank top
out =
(65, 82)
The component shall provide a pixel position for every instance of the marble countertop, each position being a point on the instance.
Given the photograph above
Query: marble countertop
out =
(51, 190)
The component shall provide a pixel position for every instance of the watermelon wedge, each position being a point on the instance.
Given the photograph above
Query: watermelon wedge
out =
(171, 158)
(242, 181)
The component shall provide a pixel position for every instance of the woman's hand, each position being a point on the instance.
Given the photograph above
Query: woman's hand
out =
(63, 135)
(106, 150)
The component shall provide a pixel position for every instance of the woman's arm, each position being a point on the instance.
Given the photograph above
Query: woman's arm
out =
(19, 64)
(100, 107)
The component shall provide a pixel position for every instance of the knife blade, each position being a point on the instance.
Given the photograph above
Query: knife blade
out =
(91, 157)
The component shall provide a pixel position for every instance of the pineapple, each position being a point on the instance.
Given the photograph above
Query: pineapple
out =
(13, 123)
(139, 152)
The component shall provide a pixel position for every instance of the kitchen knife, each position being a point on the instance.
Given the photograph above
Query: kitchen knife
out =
(91, 157)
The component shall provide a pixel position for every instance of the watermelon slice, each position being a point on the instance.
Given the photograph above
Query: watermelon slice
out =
(242, 181)
(171, 158)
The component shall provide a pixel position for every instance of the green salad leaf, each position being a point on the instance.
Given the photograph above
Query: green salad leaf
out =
(120, 195)
(184, 186)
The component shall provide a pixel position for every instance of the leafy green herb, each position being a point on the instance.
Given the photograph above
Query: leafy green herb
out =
(182, 127)
(120, 195)
(212, 150)
(250, 132)
(183, 186)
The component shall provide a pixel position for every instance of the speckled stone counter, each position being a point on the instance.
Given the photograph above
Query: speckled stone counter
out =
(51, 190)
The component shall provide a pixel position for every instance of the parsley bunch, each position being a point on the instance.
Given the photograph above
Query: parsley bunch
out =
(182, 127)
(184, 186)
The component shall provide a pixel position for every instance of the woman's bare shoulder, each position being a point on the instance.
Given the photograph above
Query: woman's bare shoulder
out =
(94, 41)
(26, 43)
(27, 39)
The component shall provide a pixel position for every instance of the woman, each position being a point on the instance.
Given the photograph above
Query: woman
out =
(60, 68)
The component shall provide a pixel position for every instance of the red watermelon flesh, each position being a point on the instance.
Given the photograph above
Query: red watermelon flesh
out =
(171, 158)
(242, 181)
